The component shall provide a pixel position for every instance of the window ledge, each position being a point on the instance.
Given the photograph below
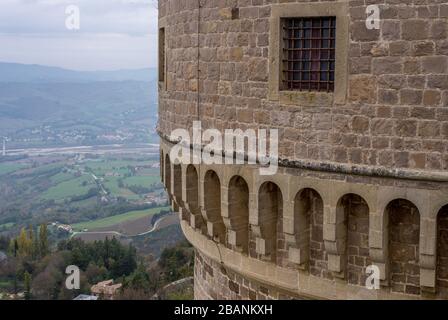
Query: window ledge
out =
(306, 98)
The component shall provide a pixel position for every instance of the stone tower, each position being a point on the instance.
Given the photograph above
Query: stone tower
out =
(358, 91)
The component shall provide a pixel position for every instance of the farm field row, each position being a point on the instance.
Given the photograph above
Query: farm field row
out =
(117, 219)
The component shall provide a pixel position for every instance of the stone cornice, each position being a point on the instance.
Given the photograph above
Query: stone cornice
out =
(341, 168)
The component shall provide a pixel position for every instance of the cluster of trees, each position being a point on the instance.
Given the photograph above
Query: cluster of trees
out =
(37, 270)
(118, 260)
(177, 262)
(174, 263)
(93, 192)
(138, 189)
(159, 215)
(30, 244)
(27, 247)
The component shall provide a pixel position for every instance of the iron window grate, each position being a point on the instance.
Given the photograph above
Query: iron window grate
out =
(309, 53)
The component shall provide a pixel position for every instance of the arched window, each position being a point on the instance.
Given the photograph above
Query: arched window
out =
(168, 174)
(192, 192)
(356, 220)
(308, 229)
(270, 207)
(212, 206)
(239, 213)
(177, 186)
(404, 235)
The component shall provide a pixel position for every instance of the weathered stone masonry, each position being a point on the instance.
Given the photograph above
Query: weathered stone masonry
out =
(363, 177)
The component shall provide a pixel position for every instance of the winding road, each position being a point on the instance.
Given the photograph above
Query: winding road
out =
(154, 228)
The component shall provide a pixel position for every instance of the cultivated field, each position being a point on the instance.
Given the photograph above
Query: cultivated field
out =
(73, 188)
(128, 223)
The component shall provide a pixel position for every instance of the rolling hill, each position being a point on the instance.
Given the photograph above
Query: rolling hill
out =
(47, 106)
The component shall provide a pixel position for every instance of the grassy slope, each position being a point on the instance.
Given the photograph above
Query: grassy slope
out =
(61, 177)
(68, 189)
(145, 181)
(6, 168)
(110, 221)
(111, 183)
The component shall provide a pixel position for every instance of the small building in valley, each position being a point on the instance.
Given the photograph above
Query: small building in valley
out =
(106, 290)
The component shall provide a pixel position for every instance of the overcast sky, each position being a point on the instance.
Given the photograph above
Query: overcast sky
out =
(113, 34)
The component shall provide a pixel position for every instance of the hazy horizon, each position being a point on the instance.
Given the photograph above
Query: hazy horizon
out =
(76, 70)
(113, 34)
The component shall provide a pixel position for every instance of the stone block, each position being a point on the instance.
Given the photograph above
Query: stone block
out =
(232, 237)
(438, 82)
(360, 124)
(439, 30)
(427, 261)
(429, 129)
(436, 64)
(329, 232)
(423, 48)
(387, 65)
(415, 29)
(390, 29)
(431, 97)
(225, 13)
(411, 97)
(261, 246)
(361, 33)
(428, 278)
(335, 263)
(362, 89)
(195, 221)
(297, 256)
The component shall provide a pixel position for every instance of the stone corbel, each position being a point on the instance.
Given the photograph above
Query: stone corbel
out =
(184, 214)
(237, 233)
(215, 228)
(238, 237)
(177, 198)
(335, 240)
(296, 237)
(263, 245)
(196, 221)
(190, 211)
(173, 203)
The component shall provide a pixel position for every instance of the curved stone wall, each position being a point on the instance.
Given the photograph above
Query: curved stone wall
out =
(311, 234)
(387, 112)
(213, 281)
(363, 174)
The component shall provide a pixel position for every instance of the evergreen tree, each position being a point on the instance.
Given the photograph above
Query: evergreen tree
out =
(139, 279)
(36, 249)
(27, 285)
(24, 244)
(13, 247)
(43, 240)
(31, 233)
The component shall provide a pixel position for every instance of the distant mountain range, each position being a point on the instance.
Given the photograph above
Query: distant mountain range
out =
(15, 72)
(48, 106)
